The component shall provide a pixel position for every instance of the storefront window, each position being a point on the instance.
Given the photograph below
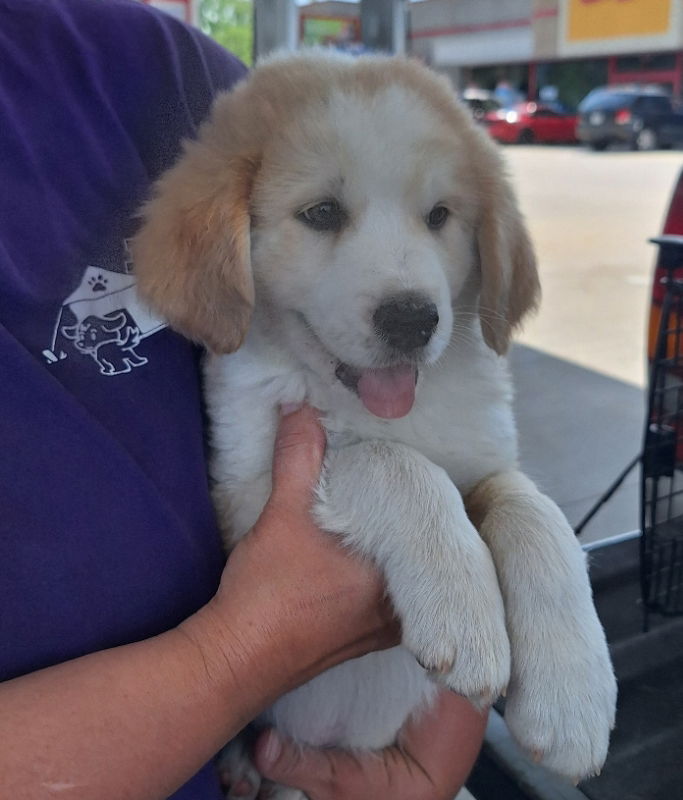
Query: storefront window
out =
(649, 62)
(514, 77)
(572, 79)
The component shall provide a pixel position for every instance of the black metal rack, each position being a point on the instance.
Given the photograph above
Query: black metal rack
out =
(661, 545)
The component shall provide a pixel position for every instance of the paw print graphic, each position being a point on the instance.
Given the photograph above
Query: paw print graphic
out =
(98, 283)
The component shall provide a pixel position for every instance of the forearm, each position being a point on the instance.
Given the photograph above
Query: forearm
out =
(136, 722)
(132, 722)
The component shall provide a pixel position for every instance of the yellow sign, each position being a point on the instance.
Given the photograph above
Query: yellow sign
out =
(608, 19)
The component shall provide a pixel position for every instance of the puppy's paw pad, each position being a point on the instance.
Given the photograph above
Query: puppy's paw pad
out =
(239, 777)
(285, 793)
(241, 790)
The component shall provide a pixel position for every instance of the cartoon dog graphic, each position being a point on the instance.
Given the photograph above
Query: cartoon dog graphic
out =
(110, 340)
(104, 318)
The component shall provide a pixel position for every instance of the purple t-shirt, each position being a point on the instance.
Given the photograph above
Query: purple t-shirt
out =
(107, 533)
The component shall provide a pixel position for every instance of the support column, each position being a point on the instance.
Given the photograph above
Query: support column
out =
(383, 25)
(275, 26)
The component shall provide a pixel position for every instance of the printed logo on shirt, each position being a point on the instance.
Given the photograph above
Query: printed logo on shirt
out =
(104, 319)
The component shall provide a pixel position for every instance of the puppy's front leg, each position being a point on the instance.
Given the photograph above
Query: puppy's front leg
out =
(562, 695)
(390, 503)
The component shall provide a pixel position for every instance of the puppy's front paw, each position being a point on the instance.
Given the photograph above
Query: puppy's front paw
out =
(277, 792)
(454, 623)
(237, 770)
(561, 704)
(392, 504)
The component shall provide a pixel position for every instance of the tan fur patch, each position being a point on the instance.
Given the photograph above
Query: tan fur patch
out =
(192, 253)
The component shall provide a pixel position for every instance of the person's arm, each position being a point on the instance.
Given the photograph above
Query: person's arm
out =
(137, 721)
(436, 754)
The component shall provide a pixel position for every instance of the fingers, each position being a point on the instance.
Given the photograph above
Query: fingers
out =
(437, 751)
(299, 453)
(334, 774)
(282, 761)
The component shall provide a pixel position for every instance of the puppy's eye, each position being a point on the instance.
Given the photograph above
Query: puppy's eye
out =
(325, 216)
(437, 216)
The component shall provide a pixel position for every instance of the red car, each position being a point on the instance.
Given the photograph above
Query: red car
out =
(673, 227)
(531, 122)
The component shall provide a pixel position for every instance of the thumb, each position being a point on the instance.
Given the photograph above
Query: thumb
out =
(299, 452)
(282, 761)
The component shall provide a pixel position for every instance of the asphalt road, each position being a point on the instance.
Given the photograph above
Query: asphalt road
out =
(590, 215)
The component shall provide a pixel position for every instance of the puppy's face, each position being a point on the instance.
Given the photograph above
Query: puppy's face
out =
(363, 237)
(365, 207)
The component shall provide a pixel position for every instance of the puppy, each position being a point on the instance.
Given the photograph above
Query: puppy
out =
(344, 230)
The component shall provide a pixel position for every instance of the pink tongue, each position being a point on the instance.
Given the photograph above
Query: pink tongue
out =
(388, 393)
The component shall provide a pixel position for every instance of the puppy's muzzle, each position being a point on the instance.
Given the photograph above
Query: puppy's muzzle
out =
(406, 322)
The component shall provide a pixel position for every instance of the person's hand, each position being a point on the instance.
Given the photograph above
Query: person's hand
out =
(291, 589)
(436, 753)
(138, 720)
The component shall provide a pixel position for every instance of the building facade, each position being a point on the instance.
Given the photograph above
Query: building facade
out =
(565, 47)
(556, 47)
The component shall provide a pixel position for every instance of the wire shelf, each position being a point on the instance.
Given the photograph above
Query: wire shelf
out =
(662, 457)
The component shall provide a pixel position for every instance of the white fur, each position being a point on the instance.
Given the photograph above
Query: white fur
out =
(392, 489)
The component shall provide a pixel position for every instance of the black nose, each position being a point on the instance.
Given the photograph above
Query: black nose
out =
(406, 322)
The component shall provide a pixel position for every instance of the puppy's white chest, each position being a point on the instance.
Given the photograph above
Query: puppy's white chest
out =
(462, 418)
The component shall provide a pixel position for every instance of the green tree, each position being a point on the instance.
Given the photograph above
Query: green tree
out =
(229, 22)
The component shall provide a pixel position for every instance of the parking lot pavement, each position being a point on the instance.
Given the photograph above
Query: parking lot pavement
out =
(579, 369)
(579, 375)
(590, 215)
(578, 429)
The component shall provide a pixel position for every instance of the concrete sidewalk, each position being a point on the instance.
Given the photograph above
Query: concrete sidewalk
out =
(590, 216)
(578, 430)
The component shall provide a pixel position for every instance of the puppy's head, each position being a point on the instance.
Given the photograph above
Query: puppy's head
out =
(363, 204)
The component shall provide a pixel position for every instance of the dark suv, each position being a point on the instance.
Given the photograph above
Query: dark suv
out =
(639, 116)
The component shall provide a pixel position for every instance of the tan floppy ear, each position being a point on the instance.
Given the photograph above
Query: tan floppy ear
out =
(509, 280)
(191, 255)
